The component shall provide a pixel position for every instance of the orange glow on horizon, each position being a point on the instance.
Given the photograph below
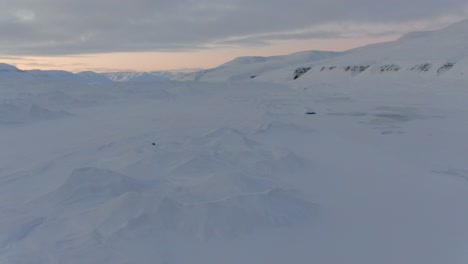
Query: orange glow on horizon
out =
(160, 61)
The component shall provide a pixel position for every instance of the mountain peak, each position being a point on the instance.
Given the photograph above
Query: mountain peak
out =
(7, 67)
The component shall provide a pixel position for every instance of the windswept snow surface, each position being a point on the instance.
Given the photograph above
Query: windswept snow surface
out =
(234, 173)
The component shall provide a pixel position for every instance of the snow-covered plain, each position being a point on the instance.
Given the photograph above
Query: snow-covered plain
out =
(235, 172)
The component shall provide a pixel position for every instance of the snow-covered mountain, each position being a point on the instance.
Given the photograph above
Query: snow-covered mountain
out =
(441, 53)
(8, 68)
(246, 68)
(139, 76)
(93, 77)
(9, 72)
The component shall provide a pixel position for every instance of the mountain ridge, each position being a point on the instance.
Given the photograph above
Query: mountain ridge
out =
(433, 53)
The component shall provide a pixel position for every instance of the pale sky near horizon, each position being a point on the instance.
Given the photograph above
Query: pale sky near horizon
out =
(151, 35)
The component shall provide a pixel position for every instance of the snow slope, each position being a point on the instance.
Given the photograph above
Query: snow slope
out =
(442, 53)
(246, 68)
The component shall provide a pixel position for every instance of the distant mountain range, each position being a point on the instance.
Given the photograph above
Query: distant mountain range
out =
(10, 72)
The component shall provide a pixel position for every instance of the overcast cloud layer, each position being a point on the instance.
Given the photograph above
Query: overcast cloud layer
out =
(66, 27)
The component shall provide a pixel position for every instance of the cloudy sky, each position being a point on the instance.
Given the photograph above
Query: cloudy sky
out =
(105, 35)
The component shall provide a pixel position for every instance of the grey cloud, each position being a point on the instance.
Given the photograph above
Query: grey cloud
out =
(66, 27)
(265, 39)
